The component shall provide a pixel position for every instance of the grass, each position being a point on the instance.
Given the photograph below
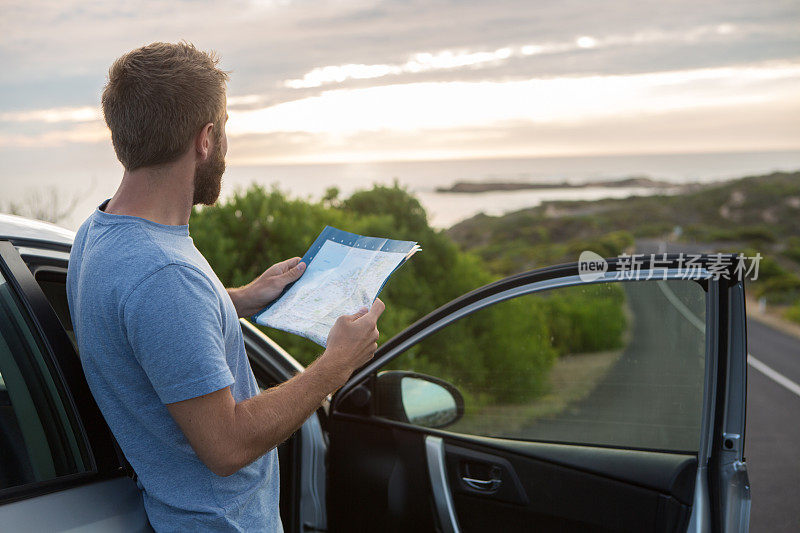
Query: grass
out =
(748, 215)
(572, 378)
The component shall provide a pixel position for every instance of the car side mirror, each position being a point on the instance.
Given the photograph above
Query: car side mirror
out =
(417, 399)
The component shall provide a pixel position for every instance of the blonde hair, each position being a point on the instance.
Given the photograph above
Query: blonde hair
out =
(157, 99)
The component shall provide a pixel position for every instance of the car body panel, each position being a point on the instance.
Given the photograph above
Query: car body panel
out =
(106, 506)
(44, 234)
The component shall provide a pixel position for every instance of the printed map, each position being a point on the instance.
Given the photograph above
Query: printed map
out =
(340, 280)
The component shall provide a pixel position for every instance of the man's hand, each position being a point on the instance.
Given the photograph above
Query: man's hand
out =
(254, 296)
(351, 342)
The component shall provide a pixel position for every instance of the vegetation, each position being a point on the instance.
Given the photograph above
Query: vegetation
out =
(50, 205)
(587, 319)
(255, 228)
(749, 215)
(793, 313)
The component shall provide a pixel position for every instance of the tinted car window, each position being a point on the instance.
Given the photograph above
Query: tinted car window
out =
(616, 364)
(38, 435)
(54, 287)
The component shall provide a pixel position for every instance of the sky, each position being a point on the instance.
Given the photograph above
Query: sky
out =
(353, 81)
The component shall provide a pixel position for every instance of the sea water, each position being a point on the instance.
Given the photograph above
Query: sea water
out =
(94, 179)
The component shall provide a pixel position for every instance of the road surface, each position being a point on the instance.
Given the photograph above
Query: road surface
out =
(619, 409)
(772, 438)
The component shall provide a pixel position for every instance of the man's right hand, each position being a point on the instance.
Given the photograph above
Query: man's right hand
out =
(352, 342)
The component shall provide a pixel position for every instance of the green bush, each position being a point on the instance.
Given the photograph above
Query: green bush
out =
(502, 353)
(255, 228)
(587, 318)
(792, 250)
(793, 313)
(499, 354)
(777, 284)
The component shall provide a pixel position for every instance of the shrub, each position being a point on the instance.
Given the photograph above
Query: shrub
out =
(252, 230)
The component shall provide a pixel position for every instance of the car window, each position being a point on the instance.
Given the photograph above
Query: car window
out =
(616, 363)
(54, 287)
(39, 437)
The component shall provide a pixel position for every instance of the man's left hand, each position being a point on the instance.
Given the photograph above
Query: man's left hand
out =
(251, 298)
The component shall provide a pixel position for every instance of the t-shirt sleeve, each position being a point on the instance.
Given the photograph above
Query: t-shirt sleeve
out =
(174, 325)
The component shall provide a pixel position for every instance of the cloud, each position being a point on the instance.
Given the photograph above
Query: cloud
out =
(438, 105)
(81, 133)
(424, 62)
(450, 109)
(420, 62)
(765, 126)
(59, 114)
(444, 69)
(47, 43)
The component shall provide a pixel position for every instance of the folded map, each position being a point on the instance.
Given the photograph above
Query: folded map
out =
(344, 272)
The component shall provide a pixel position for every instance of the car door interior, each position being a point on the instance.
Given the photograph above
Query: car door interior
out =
(387, 473)
(301, 456)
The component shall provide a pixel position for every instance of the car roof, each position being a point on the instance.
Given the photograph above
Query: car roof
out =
(21, 229)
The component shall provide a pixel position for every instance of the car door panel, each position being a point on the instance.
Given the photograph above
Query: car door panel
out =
(65, 359)
(386, 472)
(113, 505)
(472, 473)
(383, 480)
(666, 473)
(565, 497)
(543, 485)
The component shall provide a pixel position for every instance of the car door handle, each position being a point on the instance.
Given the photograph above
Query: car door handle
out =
(483, 485)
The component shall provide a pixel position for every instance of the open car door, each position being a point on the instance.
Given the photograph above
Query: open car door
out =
(554, 400)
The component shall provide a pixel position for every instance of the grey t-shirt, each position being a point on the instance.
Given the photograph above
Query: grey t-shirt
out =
(154, 325)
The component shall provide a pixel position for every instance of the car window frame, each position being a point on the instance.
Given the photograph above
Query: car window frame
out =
(65, 369)
(704, 284)
(357, 389)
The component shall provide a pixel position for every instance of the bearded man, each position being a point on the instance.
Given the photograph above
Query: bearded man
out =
(158, 333)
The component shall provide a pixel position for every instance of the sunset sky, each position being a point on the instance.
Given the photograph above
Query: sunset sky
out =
(357, 81)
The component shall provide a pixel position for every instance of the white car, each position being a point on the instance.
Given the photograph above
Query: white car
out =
(654, 444)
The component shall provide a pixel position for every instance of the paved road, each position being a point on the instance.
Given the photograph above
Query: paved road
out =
(772, 439)
(651, 397)
(630, 396)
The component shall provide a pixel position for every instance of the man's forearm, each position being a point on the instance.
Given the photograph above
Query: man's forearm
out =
(228, 436)
(266, 420)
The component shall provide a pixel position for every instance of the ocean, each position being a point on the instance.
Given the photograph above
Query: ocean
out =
(445, 209)
(423, 177)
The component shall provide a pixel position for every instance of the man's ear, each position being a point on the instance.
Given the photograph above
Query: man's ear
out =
(203, 143)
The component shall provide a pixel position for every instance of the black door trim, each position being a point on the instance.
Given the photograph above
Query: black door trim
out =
(617, 463)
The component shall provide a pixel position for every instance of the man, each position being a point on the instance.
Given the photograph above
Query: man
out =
(158, 334)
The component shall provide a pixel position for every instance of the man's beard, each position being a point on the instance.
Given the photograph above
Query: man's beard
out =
(208, 178)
